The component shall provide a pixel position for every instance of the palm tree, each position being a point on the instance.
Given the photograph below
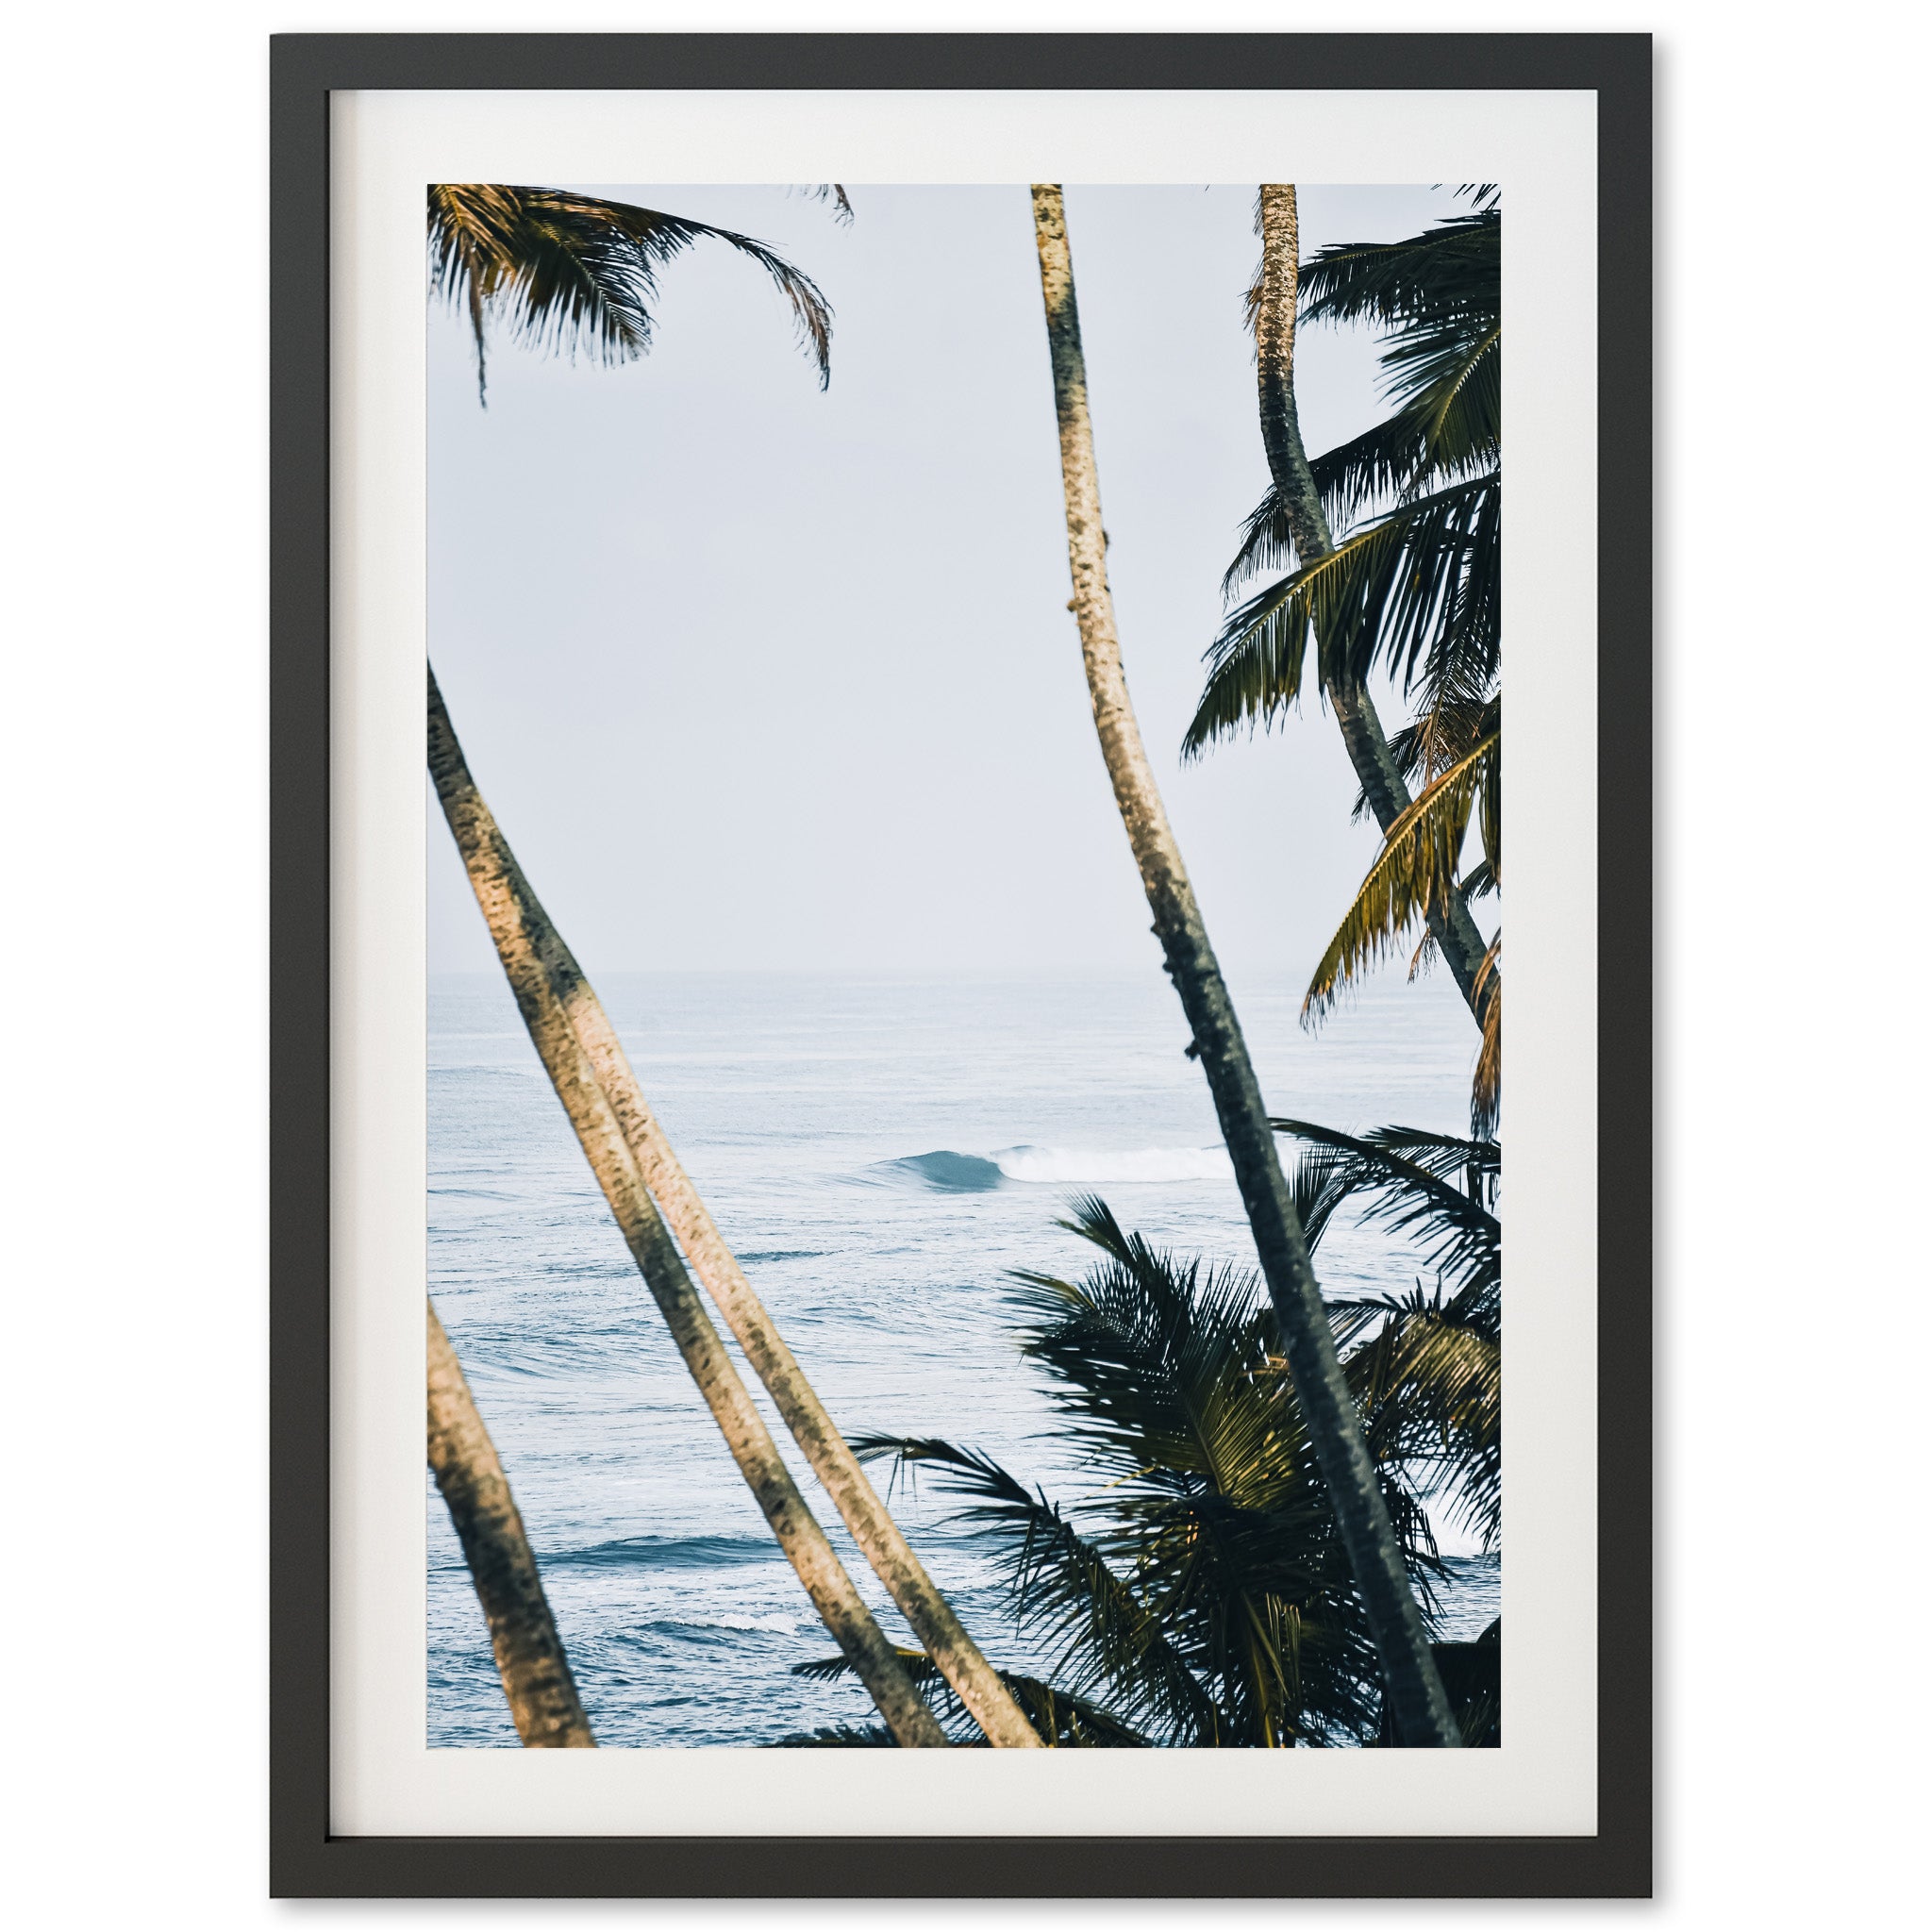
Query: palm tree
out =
(509, 908)
(576, 271)
(1417, 587)
(541, 1693)
(1421, 1711)
(1199, 1595)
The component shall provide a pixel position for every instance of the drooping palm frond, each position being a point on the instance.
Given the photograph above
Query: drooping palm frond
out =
(1435, 1191)
(1432, 441)
(1453, 268)
(1417, 592)
(1417, 867)
(1063, 1587)
(568, 273)
(1448, 380)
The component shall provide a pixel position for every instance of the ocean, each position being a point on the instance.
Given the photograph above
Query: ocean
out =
(882, 1152)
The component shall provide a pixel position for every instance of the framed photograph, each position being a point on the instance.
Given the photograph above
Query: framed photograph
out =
(888, 659)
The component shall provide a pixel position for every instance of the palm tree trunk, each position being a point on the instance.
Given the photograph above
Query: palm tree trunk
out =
(1414, 1689)
(1455, 932)
(878, 1537)
(503, 896)
(522, 1634)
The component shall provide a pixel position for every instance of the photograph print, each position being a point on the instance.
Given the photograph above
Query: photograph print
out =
(965, 966)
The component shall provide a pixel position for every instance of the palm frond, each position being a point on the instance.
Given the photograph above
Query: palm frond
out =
(841, 202)
(1426, 1367)
(1418, 590)
(1446, 432)
(1455, 268)
(1416, 870)
(1063, 1587)
(1447, 380)
(1141, 1353)
(1453, 722)
(1486, 1096)
(1429, 1380)
(572, 273)
(1430, 1189)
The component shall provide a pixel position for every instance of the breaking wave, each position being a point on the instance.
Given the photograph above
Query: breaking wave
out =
(778, 1623)
(947, 1171)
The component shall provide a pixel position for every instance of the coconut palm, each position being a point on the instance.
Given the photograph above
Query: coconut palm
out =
(571, 270)
(537, 1681)
(1375, 1549)
(1415, 588)
(1199, 1593)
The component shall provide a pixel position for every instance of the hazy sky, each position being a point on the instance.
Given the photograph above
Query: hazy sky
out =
(759, 676)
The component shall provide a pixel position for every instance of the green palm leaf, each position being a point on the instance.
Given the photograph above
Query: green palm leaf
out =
(1428, 1188)
(1453, 268)
(1062, 1586)
(1419, 589)
(1427, 1367)
(570, 272)
(1429, 1380)
(1416, 867)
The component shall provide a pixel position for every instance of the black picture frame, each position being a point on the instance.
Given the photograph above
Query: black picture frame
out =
(306, 1858)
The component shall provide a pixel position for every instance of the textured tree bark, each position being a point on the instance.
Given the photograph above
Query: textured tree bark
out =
(879, 1539)
(1414, 1689)
(1451, 927)
(536, 1675)
(504, 895)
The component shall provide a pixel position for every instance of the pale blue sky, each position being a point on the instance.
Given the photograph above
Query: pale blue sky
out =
(757, 676)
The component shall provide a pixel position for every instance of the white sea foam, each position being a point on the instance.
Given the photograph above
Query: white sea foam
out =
(783, 1626)
(1117, 1167)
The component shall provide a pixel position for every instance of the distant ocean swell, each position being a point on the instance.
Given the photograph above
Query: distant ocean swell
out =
(947, 1171)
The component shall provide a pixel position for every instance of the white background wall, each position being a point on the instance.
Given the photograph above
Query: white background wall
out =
(132, 796)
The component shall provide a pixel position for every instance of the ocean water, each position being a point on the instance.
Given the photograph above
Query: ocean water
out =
(881, 1153)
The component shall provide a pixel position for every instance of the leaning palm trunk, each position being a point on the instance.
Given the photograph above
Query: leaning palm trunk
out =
(1450, 926)
(1414, 1689)
(878, 1537)
(537, 1682)
(505, 900)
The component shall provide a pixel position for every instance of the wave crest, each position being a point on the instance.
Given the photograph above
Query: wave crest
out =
(1112, 1167)
(946, 1171)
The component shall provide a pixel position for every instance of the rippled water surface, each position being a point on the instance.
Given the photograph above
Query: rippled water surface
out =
(880, 1153)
